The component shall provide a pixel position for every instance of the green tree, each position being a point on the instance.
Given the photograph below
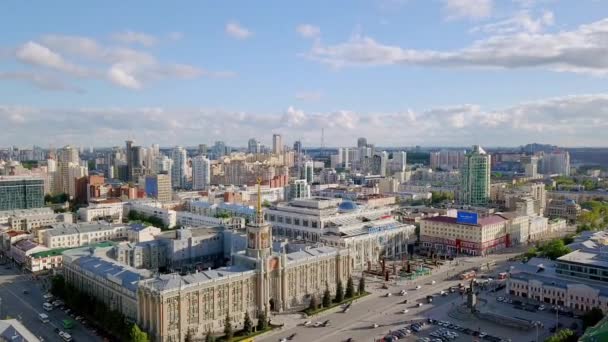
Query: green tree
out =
(339, 292)
(564, 335)
(262, 321)
(350, 288)
(58, 286)
(228, 333)
(209, 337)
(361, 288)
(189, 337)
(247, 324)
(591, 317)
(326, 297)
(137, 335)
(555, 249)
(531, 253)
(313, 303)
(266, 204)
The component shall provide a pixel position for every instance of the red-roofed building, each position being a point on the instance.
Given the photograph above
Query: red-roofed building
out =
(450, 236)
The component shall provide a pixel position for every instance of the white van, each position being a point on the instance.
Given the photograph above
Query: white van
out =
(47, 306)
(44, 318)
(65, 336)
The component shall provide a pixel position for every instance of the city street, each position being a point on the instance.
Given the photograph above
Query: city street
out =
(386, 312)
(26, 307)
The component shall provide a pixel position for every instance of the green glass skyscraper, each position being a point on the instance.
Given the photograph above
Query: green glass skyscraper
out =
(475, 182)
(21, 193)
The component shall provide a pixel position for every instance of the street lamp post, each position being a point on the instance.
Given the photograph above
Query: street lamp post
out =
(557, 307)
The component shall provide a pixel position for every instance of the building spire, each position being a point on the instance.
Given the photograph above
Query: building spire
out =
(259, 219)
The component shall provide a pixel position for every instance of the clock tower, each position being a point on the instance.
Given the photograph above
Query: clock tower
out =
(259, 233)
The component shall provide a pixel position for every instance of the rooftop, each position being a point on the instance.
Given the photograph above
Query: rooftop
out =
(482, 221)
(27, 212)
(587, 257)
(96, 261)
(59, 251)
(167, 282)
(75, 228)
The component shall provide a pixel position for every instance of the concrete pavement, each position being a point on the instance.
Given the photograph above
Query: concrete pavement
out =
(384, 311)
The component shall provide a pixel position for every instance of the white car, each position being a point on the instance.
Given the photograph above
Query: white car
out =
(433, 282)
(375, 325)
(541, 308)
(388, 294)
(318, 324)
(418, 287)
(307, 323)
(419, 305)
(405, 311)
(403, 292)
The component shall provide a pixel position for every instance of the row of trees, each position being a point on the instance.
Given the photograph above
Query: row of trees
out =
(152, 220)
(341, 294)
(248, 328)
(111, 321)
(552, 249)
(595, 217)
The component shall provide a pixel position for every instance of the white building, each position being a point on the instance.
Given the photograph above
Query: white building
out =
(188, 219)
(112, 212)
(201, 176)
(32, 219)
(155, 209)
(139, 233)
(81, 234)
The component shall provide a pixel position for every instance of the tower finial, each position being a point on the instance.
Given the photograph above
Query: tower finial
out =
(258, 210)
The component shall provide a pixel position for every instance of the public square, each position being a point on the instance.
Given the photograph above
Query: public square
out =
(388, 314)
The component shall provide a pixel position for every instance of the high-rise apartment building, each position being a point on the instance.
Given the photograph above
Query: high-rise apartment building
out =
(253, 146)
(530, 165)
(447, 160)
(129, 155)
(201, 172)
(178, 171)
(17, 192)
(159, 187)
(277, 144)
(202, 149)
(475, 178)
(308, 171)
(67, 158)
(361, 142)
(298, 189)
(219, 149)
(556, 162)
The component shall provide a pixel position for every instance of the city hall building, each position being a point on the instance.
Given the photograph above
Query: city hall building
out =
(257, 279)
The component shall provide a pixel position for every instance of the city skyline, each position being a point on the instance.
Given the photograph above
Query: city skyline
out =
(400, 73)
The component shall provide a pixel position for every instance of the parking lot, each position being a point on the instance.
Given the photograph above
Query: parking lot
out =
(21, 297)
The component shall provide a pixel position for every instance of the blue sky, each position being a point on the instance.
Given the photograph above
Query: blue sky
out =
(400, 72)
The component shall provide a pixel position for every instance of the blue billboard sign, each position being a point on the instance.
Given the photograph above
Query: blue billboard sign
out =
(465, 217)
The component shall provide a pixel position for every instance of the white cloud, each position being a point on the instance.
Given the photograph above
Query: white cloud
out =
(122, 76)
(467, 9)
(122, 66)
(309, 95)
(235, 30)
(569, 120)
(308, 31)
(39, 55)
(565, 51)
(131, 37)
(520, 22)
